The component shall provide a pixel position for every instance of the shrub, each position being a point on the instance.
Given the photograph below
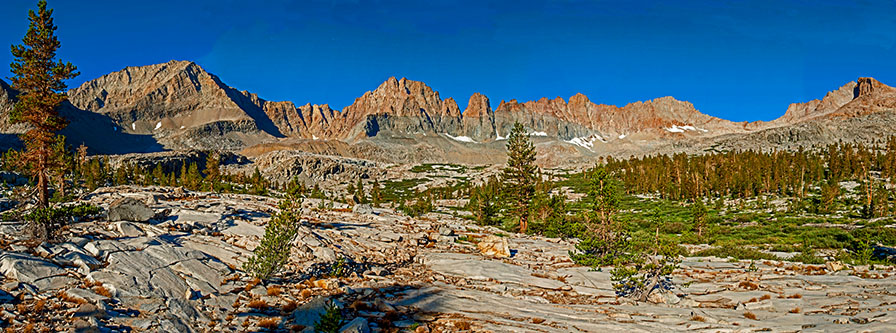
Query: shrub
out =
(485, 202)
(331, 321)
(420, 206)
(807, 256)
(47, 223)
(602, 248)
(736, 252)
(646, 272)
(273, 252)
(604, 240)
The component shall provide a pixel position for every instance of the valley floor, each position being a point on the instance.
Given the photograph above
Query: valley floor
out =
(389, 272)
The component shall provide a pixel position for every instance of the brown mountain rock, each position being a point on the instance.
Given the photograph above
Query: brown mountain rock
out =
(479, 119)
(179, 103)
(871, 96)
(797, 112)
(398, 107)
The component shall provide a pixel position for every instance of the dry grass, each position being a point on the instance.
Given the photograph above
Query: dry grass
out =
(795, 296)
(359, 305)
(91, 284)
(305, 293)
(233, 277)
(252, 284)
(750, 315)
(66, 298)
(537, 320)
(748, 285)
(274, 291)
(290, 306)
(39, 306)
(698, 318)
(463, 325)
(100, 290)
(269, 323)
(258, 304)
(765, 297)
(795, 310)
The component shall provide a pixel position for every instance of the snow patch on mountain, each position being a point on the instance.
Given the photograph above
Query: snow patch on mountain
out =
(460, 138)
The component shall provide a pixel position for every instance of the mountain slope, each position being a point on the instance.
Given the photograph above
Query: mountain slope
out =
(178, 103)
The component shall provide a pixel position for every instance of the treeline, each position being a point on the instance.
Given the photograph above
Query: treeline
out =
(77, 171)
(743, 174)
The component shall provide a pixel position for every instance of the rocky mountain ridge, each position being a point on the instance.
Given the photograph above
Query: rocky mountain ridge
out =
(178, 105)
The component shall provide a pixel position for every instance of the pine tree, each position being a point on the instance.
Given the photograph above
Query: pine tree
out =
(360, 196)
(698, 210)
(484, 202)
(213, 171)
(40, 80)
(193, 178)
(604, 239)
(376, 194)
(519, 176)
(259, 185)
(272, 253)
(158, 175)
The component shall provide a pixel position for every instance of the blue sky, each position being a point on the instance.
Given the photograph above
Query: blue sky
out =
(740, 60)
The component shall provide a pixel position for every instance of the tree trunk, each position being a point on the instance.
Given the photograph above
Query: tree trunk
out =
(43, 200)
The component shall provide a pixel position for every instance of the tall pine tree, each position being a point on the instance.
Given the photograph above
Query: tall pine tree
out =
(520, 175)
(39, 78)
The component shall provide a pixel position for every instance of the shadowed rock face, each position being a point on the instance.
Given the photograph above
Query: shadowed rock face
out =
(7, 101)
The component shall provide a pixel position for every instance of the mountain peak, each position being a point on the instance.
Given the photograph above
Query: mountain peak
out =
(867, 86)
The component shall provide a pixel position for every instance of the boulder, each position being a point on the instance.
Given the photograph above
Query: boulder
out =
(129, 209)
(834, 266)
(446, 231)
(85, 295)
(494, 246)
(309, 313)
(33, 270)
(362, 209)
(885, 253)
(128, 229)
(357, 325)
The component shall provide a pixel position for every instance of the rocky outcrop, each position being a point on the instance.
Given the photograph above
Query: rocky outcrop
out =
(871, 96)
(398, 108)
(797, 112)
(7, 101)
(479, 119)
(281, 166)
(129, 209)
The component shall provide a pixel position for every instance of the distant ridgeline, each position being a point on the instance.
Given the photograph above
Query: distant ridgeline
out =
(179, 106)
